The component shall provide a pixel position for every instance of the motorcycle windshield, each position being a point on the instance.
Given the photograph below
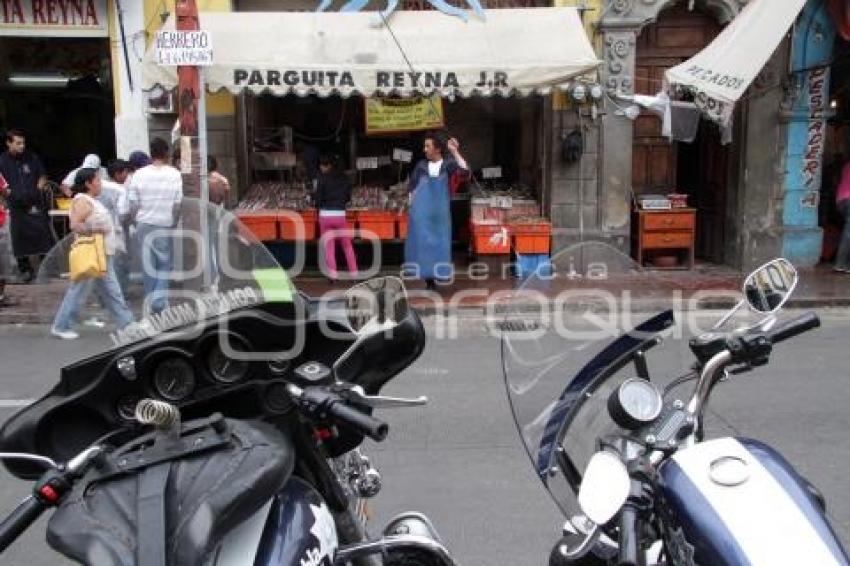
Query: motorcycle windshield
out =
(159, 278)
(564, 352)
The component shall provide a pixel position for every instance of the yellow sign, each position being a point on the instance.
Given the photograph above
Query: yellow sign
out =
(386, 115)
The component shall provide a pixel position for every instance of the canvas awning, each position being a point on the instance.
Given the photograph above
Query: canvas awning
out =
(719, 74)
(515, 51)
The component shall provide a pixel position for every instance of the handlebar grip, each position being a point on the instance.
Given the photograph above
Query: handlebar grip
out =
(20, 520)
(794, 327)
(375, 429)
(629, 537)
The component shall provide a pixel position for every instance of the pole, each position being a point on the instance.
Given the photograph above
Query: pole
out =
(188, 94)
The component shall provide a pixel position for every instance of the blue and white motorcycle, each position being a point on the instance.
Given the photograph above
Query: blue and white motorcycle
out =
(627, 462)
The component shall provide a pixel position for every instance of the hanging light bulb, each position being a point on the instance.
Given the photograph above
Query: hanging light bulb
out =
(579, 93)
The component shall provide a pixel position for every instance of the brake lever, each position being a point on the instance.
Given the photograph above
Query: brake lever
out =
(356, 395)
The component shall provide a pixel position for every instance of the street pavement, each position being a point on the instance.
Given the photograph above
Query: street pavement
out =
(460, 460)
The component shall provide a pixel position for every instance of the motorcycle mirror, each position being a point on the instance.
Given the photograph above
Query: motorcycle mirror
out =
(770, 286)
(376, 305)
(604, 487)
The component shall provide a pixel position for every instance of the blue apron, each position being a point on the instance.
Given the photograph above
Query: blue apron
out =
(429, 235)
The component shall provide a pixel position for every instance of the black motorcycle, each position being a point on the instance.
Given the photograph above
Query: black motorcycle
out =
(225, 429)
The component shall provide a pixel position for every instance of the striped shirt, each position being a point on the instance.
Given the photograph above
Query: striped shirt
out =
(153, 194)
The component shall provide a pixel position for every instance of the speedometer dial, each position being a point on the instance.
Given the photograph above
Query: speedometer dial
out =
(174, 379)
(225, 369)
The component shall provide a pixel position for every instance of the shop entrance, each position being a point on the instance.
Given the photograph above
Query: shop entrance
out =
(59, 92)
(698, 169)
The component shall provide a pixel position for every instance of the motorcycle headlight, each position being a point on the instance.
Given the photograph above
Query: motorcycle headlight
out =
(635, 403)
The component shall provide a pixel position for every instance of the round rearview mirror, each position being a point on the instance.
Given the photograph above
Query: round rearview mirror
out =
(376, 305)
(604, 487)
(770, 286)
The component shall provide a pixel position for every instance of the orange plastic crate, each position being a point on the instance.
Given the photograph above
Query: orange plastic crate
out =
(490, 239)
(402, 222)
(262, 226)
(531, 238)
(532, 244)
(288, 225)
(380, 222)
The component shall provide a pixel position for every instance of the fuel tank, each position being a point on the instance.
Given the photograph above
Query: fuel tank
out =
(734, 501)
(296, 528)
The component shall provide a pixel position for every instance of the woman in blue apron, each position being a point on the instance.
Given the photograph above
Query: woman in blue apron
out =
(428, 249)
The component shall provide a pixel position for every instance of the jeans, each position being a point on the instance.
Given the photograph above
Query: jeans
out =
(332, 224)
(108, 291)
(842, 258)
(157, 258)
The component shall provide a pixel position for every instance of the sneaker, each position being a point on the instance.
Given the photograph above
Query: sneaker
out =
(6, 301)
(94, 322)
(64, 334)
(841, 269)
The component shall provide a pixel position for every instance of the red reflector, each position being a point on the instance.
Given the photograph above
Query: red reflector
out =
(323, 433)
(49, 494)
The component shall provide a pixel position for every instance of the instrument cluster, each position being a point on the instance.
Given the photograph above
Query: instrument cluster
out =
(188, 373)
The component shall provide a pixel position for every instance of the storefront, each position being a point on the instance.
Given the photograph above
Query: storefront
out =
(56, 79)
(349, 85)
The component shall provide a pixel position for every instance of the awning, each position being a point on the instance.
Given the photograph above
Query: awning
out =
(720, 73)
(515, 51)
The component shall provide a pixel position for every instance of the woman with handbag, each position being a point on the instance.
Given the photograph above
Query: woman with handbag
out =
(91, 259)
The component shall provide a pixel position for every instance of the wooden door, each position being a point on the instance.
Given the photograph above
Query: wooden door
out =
(676, 36)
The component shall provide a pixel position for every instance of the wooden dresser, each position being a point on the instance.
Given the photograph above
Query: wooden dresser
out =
(671, 230)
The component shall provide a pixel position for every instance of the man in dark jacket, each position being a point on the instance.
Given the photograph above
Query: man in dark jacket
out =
(30, 223)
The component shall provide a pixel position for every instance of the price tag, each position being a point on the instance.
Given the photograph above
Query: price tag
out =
(367, 163)
(402, 155)
(491, 172)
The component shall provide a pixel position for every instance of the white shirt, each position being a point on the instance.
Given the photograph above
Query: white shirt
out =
(153, 193)
(434, 168)
(101, 218)
(114, 197)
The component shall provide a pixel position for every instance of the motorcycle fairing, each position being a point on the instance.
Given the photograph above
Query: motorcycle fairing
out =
(81, 408)
(764, 517)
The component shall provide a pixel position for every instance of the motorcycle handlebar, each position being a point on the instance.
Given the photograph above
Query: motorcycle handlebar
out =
(375, 429)
(794, 327)
(320, 402)
(20, 520)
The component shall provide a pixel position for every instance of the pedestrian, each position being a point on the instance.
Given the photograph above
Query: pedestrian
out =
(218, 183)
(114, 198)
(91, 161)
(428, 248)
(88, 216)
(5, 268)
(25, 196)
(333, 191)
(154, 196)
(137, 160)
(842, 201)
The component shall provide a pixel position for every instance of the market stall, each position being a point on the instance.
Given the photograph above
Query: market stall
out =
(365, 89)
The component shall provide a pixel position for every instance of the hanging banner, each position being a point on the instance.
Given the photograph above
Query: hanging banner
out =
(387, 115)
(54, 18)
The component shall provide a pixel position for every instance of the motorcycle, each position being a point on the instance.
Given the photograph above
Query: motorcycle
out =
(627, 462)
(225, 429)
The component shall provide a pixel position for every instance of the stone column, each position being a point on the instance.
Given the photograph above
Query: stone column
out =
(615, 170)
